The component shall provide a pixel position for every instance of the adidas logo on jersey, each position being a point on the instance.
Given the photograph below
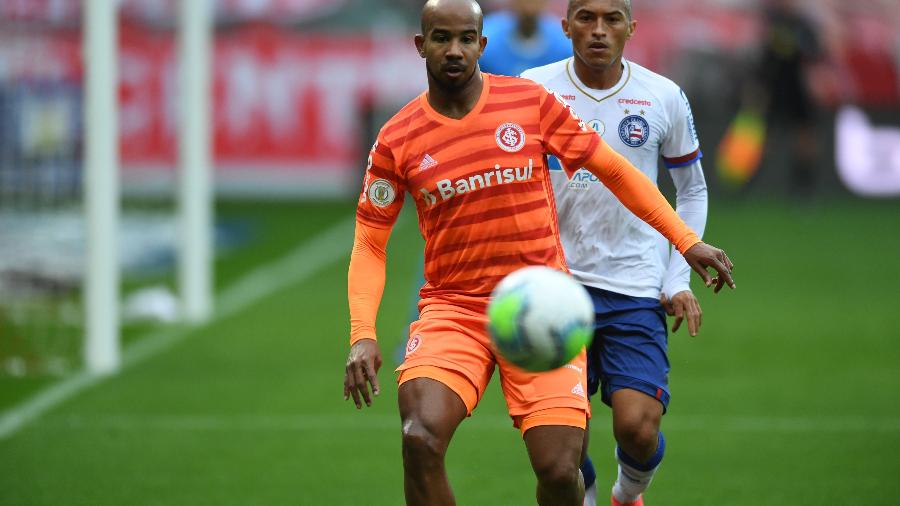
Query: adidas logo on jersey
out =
(448, 189)
(578, 390)
(427, 162)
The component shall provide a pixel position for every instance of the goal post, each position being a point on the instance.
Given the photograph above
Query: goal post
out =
(195, 194)
(101, 187)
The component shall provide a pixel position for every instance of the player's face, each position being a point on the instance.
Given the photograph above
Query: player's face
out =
(451, 47)
(599, 30)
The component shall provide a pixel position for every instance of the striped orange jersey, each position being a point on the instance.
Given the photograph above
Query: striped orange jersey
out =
(480, 183)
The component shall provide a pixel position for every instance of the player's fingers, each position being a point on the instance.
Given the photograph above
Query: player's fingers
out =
(677, 324)
(346, 388)
(701, 271)
(354, 388)
(699, 315)
(724, 274)
(679, 316)
(373, 378)
(361, 384)
(693, 321)
(720, 282)
(728, 262)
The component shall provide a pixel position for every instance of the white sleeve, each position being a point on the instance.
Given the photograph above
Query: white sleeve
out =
(680, 146)
(691, 205)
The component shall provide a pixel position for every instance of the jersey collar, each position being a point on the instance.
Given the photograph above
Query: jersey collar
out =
(592, 94)
(440, 118)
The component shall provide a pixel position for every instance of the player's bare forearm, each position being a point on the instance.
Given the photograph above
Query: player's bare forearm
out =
(361, 372)
(702, 256)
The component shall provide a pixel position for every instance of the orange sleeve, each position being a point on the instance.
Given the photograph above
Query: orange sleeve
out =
(365, 279)
(640, 196)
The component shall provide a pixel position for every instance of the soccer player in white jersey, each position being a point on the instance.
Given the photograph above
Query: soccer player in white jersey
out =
(627, 267)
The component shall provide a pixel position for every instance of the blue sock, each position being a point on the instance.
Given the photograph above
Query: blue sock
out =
(587, 470)
(651, 463)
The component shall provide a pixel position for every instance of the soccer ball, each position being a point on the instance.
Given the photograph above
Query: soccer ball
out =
(540, 318)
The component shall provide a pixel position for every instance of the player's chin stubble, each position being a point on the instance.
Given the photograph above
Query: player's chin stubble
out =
(449, 86)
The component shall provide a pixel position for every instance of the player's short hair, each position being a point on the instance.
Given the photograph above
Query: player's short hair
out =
(428, 5)
(571, 8)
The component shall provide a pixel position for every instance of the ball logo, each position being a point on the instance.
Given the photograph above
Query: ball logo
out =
(382, 193)
(413, 343)
(634, 131)
(510, 137)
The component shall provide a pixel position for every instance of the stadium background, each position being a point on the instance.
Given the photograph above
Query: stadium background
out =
(788, 396)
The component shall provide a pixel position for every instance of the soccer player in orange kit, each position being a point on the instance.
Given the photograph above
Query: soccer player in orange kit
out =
(472, 152)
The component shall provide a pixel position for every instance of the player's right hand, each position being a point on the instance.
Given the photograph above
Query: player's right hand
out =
(702, 255)
(361, 371)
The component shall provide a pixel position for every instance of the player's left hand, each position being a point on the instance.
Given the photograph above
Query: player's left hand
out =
(683, 305)
(702, 255)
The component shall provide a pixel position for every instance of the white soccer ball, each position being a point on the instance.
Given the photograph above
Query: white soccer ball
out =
(540, 318)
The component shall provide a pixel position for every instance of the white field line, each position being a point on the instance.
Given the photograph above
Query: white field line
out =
(313, 255)
(381, 422)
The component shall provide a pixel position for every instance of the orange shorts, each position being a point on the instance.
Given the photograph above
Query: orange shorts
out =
(450, 344)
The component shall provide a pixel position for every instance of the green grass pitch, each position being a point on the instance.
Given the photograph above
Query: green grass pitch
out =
(789, 395)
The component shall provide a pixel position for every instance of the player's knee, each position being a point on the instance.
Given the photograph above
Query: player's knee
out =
(557, 474)
(638, 431)
(422, 444)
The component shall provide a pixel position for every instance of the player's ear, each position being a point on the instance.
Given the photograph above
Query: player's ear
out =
(632, 26)
(483, 43)
(420, 44)
(564, 22)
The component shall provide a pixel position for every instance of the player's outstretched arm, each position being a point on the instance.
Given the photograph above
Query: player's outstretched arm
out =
(642, 197)
(365, 285)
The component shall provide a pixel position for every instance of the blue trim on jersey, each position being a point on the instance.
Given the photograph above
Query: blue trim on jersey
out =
(683, 164)
(553, 163)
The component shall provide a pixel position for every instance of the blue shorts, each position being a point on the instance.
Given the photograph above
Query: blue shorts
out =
(629, 347)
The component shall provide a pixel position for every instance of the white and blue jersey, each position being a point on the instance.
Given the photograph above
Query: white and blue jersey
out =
(508, 54)
(644, 117)
(624, 262)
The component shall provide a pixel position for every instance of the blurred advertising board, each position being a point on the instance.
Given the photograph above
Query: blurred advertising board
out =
(287, 105)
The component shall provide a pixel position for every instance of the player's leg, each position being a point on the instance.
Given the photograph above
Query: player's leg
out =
(593, 382)
(430, 412)
(634, 382)
(444, 374)
(641, 445)
(555, 453)
(551, 410)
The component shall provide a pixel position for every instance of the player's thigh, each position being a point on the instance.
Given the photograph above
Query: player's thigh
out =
(446, 345)
(554, 447)
(635, 413)
(430, 412)
(556, 397)
(632, 353)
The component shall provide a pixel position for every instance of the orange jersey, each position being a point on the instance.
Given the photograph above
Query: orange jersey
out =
(480, 184)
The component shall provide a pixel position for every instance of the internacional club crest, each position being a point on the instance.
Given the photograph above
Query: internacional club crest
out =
(413, 343)
(382, 193)
(510, 137)
(634, 131)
